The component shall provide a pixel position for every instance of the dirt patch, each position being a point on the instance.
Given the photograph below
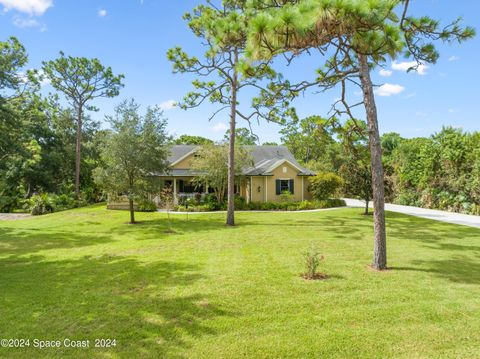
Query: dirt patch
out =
(14, 216)
(378, 270)
(317, 276)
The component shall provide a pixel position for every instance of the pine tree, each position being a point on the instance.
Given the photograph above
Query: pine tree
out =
(351, 37)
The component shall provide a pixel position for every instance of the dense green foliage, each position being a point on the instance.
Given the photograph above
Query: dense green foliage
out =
(442, 171)
(135, 148)
(243, 137)
(205, 290)
(192, 140)
(241, 204)
(325, 185)
(38, 137)
(211, 167)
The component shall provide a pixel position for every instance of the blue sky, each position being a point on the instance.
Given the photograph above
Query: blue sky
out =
(132, 36)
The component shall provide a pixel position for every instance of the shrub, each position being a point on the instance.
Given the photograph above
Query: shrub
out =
(40, 204)
(286, 196)
(146, 205)
(325, 185)
(312, 262)
(63, 202)
(240, 202)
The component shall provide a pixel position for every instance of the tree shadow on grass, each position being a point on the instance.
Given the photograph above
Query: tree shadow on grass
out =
(460, 269)
(147, 308)
(29, 241)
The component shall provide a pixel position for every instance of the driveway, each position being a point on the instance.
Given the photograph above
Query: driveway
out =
(13, 216)
(442, 216)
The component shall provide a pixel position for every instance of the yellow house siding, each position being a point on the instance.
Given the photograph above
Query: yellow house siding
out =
(306, 193)
(258, 189)
(186, 163)
(290, 173)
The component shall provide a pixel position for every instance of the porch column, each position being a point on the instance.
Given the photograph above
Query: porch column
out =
(175, 200)
(266, 189)
(303, 188)
(249, 194)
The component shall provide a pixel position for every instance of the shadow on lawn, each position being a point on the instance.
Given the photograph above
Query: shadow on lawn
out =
(27, 241)
(139, 305)
(460, 269)
(454, 260)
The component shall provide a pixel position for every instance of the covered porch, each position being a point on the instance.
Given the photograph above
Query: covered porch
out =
(183, 188)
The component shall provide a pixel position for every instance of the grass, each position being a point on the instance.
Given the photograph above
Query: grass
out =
(207, 291)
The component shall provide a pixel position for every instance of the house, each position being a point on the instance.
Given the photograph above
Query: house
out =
(274, 171)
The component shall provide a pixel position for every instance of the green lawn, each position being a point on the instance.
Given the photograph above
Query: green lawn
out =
(208, 291)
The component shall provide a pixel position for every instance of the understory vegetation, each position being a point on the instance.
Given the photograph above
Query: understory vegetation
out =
(241, 204)
(439, 172)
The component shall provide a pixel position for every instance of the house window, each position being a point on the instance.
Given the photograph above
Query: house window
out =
(189, 187)
(283, 185)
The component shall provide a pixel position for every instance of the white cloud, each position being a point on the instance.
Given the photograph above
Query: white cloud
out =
(385, 73)
(31, 7)
(102, 13)
(453, 58)
(451, 110)
(389, 90)
(44, 80)
(168, 105)
(405, 66)
(219, 127)
(22, 22)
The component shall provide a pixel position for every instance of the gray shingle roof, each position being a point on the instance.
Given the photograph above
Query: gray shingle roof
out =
(264, 157)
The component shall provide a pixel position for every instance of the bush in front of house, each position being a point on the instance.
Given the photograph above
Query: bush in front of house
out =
(146, 205)
(210, 204)
(294, 206)
(325, 185)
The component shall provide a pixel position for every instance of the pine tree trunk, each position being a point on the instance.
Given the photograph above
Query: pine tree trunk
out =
(366, 205)
(132, 210)
(380, 240)
(78, 152)
(231, 149)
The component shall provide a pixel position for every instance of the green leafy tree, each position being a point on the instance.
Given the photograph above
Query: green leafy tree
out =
(352, 37)
(324, 185)
(13, 57)
(311, 141)
(222, 73)
(136, 148)
(211, 165)
(81, 80)
(355, 168)
(192, 140)
(243, 137)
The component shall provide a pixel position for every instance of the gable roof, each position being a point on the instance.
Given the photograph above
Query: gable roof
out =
(265, 160)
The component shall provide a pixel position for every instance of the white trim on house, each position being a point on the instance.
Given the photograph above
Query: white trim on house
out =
(303, 188)
(280, 162)
(183, 157)
(250, 190)
(265, 189)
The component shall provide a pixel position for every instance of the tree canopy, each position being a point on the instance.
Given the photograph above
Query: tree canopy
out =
(134, 150)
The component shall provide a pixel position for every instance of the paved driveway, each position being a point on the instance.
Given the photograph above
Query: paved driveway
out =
(442, 216)
(13, 216)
